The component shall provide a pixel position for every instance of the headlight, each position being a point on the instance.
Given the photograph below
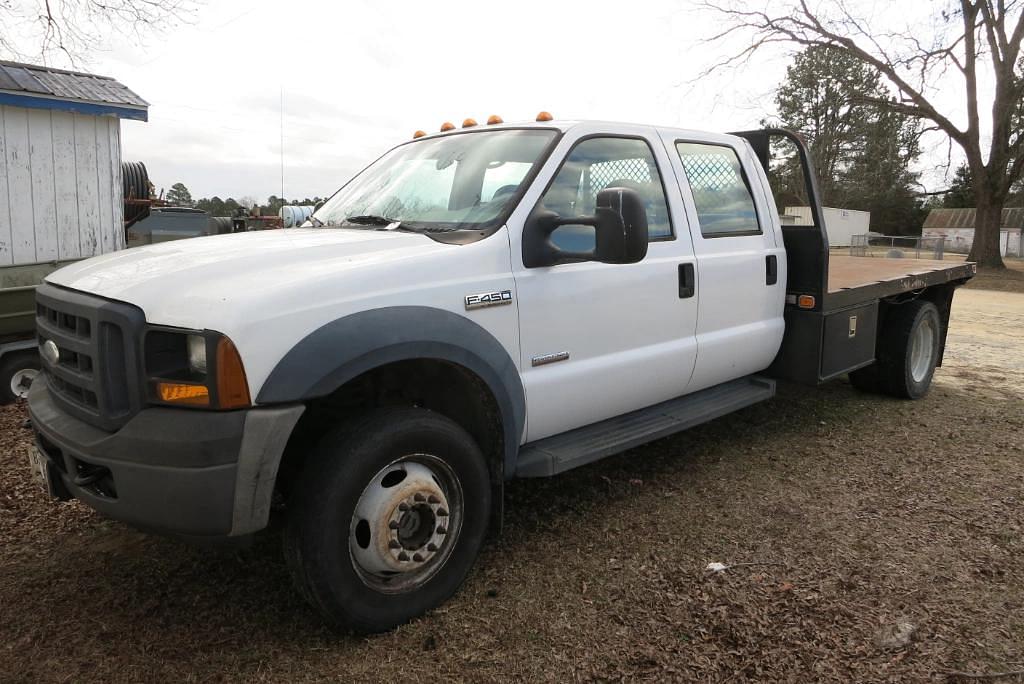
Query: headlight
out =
(193, 368)
(197, 354)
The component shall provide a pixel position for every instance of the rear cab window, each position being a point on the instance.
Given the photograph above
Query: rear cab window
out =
(721, 191)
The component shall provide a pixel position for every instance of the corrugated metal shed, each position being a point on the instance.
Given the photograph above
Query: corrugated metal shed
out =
(944, 219)
(40, 87)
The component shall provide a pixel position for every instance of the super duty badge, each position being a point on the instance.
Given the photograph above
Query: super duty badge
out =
(479, 301)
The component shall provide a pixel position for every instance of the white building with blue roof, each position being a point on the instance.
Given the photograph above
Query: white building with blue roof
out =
(61, 193)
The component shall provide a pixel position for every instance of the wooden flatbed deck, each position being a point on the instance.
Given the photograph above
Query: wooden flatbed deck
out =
(854, 280)
(845, 272)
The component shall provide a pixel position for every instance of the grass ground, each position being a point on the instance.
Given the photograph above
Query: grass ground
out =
(1010, 280)
(846, 516)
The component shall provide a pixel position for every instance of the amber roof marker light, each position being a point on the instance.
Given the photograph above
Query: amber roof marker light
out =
(418, 134)
(447, 126)
(494, 119)
(468, 123)
(545, 116)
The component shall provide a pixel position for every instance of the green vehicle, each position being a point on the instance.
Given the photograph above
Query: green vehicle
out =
(19, 360)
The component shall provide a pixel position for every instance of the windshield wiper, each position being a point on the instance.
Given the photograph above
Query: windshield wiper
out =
(370, 220)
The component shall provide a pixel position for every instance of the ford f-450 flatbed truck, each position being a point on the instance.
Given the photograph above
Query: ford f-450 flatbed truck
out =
(476, 305)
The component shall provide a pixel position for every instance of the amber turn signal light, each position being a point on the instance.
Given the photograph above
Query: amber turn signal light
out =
(182, 393)
(805, 301)
(232, 387)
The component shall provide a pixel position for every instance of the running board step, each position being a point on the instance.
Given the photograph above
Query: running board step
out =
(590, 443)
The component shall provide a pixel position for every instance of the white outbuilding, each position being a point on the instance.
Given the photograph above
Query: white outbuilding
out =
(61, 196)
(957, 227)
(840, 224)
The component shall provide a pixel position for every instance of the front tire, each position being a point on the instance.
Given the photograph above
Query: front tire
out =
(387, 518)
(17, 371)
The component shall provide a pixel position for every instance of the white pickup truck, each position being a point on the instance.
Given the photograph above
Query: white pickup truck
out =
(485, 303)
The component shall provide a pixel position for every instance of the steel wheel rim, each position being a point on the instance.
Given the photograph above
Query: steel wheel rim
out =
(922, 349)
(21, 381)
(405, 526)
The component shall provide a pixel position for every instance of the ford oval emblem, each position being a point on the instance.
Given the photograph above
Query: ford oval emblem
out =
(50, 352)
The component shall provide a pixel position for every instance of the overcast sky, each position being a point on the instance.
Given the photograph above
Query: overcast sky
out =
(359, 77)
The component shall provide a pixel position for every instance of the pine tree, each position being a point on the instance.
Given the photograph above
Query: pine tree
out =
(961, 190)
(179, 196)
(862, 151)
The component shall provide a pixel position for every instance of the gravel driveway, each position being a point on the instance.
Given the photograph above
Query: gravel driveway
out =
(870, 539)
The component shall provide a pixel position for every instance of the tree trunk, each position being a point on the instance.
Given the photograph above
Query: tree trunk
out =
(987, 221)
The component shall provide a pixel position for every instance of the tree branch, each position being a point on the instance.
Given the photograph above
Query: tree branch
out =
(75, 28)
(802, 27)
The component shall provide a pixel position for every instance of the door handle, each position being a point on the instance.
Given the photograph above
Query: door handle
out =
(771, 263)
(687, 281)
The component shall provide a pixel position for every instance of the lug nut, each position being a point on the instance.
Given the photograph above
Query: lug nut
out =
(417, 557)
(393, 544)
(441, 529)
(442, 513)
(403, 506)
(419, 497)
(403, 556)
(393, 525)
(431, 547)
(433, 499)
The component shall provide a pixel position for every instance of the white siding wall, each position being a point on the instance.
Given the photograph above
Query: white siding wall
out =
(60, 186)
(960, 240)
(840, 224)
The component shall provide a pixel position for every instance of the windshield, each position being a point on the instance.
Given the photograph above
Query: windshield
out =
(456, 182)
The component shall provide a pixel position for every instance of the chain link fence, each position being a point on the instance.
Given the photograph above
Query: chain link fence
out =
(897, 246)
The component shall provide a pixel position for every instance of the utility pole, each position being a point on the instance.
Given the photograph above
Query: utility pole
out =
(282, 142)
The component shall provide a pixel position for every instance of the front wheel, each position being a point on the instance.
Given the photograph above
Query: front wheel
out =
(386, 518)
(17, 371)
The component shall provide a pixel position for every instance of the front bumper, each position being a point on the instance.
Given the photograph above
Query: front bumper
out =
(176, 471)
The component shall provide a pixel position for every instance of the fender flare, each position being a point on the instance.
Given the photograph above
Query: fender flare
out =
(347, 347)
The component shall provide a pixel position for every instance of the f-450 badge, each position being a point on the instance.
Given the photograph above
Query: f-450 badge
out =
(479, 301)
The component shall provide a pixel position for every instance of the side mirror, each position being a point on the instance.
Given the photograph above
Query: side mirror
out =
(620, 227)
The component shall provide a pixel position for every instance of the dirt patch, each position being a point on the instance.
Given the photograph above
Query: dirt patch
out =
(885, 541)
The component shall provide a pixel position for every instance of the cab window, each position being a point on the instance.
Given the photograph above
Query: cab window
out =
(720, 189)
(598, 163)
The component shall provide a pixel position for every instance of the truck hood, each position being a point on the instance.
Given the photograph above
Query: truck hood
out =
(220, 269)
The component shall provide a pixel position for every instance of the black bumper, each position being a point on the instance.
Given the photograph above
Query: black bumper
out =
(177, 471)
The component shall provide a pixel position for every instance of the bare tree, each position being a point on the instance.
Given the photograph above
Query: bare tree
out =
(967, 39)
(39, 30)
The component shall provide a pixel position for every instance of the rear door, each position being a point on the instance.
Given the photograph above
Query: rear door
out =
(598, 340)
(740, 264)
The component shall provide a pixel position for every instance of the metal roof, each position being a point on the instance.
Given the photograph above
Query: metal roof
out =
(41, 87)
(942, 219)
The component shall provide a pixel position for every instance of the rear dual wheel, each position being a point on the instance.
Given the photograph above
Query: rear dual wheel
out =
(907, 351)
(387, 518)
